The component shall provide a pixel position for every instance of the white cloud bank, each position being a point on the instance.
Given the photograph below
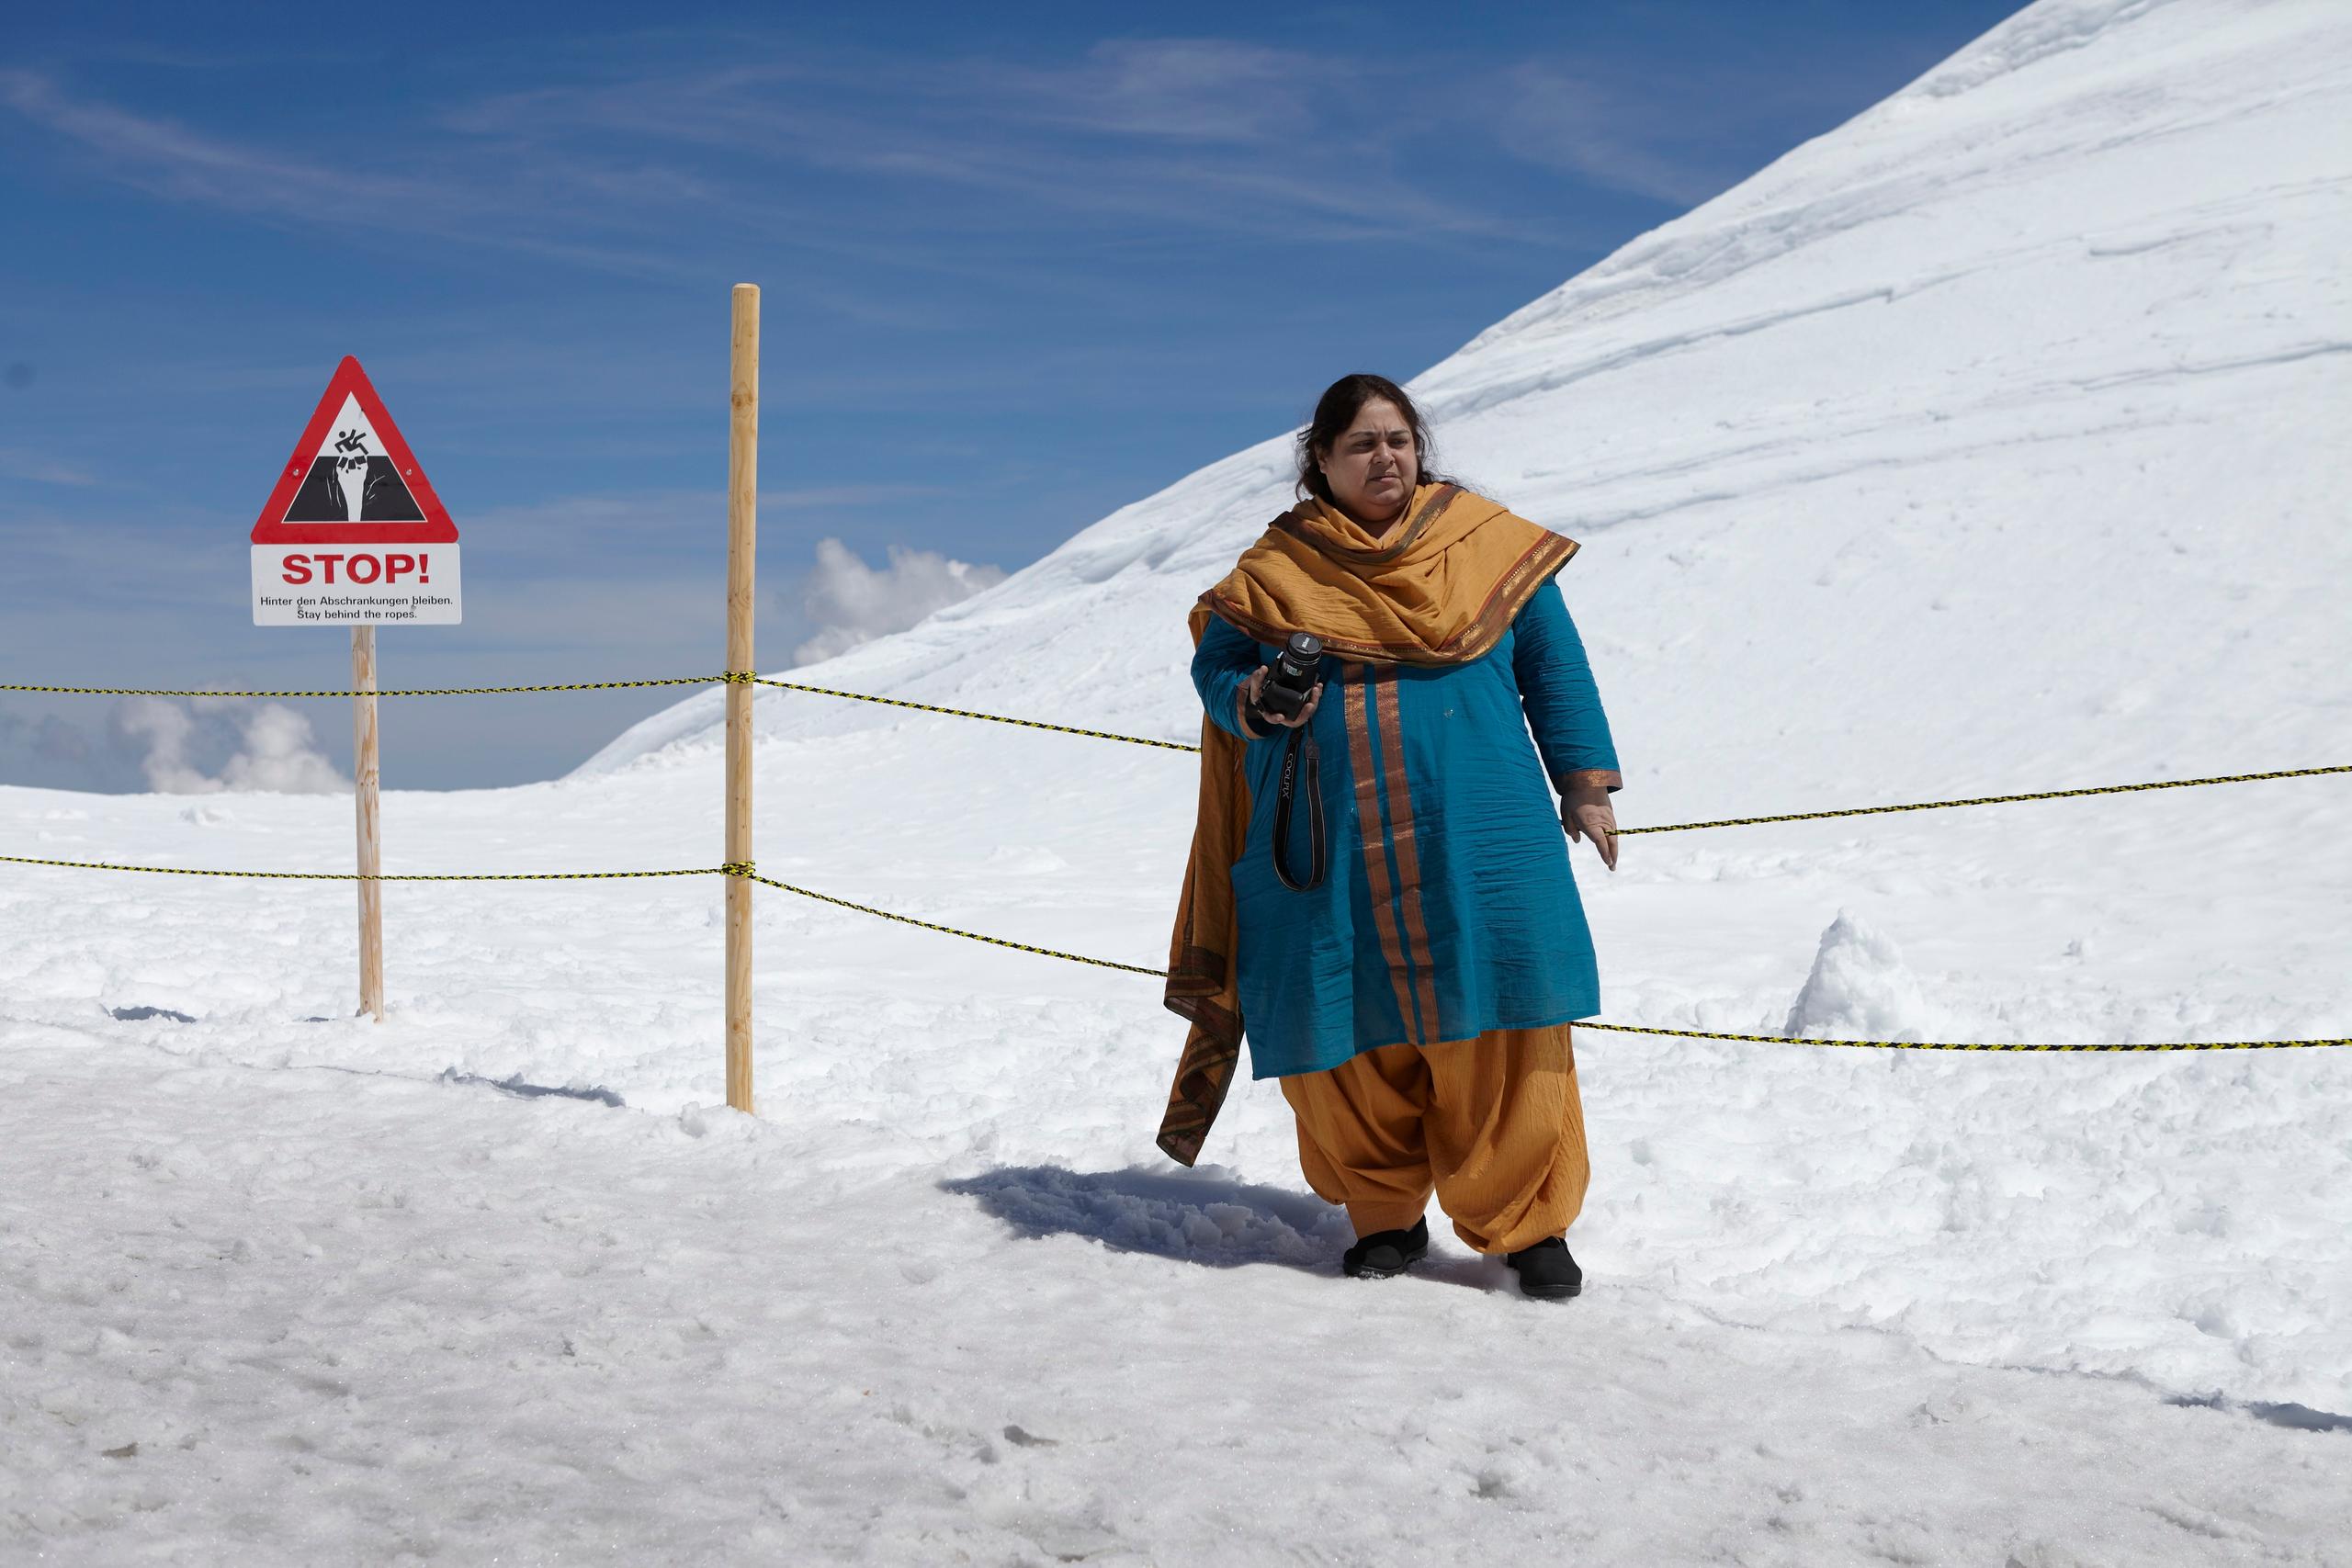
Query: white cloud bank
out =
(850, 601)
(274, 749)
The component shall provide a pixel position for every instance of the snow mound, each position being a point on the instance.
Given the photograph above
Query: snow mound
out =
(1858, 988)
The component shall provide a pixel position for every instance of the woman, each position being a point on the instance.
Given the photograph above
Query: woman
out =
(1415, 1001)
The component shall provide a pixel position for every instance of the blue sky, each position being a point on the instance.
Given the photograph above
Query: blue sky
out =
(1021, 265)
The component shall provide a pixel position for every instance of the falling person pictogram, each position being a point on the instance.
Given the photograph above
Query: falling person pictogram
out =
(348, 483)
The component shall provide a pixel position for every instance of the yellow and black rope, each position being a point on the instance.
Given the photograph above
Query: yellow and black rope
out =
(1989, 800)
(389, 692)
(384, 876)
(730, 868)
(733, 677)
(747, 871)
(740, 677)
(1960, 1045)
(954, 930)
(1614, 1028)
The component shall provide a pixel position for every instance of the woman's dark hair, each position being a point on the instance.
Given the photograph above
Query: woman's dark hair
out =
(1336, 410)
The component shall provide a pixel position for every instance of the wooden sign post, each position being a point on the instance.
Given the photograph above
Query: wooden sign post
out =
(364, 774)
(353, 535)
(742, 543)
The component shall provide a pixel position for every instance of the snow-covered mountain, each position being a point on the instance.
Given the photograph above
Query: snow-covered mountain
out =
(1990, 443)
(1993, 441)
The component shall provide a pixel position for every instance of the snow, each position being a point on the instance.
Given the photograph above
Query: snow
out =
(1991, 443)
(1859, 989)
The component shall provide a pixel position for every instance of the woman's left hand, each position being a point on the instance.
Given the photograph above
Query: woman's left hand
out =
(1585, 812)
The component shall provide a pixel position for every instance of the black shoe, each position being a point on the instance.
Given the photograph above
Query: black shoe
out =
(1386, 1253)
(1546, 1271)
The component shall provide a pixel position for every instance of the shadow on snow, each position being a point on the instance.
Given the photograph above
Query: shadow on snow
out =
(1202, 1216)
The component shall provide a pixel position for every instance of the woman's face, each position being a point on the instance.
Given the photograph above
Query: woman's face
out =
(1374, 466)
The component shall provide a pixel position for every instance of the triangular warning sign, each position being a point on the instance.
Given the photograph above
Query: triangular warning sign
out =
(352, 480)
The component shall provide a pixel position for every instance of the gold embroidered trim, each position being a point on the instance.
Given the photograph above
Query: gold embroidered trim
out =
(1380, 892)
(1403, 835)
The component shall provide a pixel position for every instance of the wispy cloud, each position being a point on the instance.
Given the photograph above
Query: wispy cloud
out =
(1199, 134)
(58, 550)
(1171, 89)
(19, 464)
(173, 161)
(1656, 142)
(639, 155)
(632, 167)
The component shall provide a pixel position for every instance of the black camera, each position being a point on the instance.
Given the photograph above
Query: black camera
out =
(1292, 675)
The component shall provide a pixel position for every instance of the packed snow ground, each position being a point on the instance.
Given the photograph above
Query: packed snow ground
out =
(1990, 444)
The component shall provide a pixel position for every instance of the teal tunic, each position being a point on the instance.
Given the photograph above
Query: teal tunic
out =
(1449, 908)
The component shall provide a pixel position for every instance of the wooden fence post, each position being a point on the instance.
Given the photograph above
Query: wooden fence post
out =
(364, 781)
(743, 540)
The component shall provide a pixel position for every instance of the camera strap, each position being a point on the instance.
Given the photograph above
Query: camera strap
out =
(1319, 861)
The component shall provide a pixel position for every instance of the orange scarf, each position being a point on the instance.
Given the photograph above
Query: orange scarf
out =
(1442, 590)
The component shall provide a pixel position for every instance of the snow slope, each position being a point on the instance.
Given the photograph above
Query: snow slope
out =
(1990, 443)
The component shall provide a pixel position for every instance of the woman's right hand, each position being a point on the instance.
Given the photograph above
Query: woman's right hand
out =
(1247, 701)
(1586, 813)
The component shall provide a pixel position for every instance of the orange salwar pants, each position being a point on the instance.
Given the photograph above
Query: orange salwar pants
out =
(1493, 1125)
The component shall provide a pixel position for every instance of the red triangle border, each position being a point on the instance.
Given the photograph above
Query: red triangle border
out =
(350, 380)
